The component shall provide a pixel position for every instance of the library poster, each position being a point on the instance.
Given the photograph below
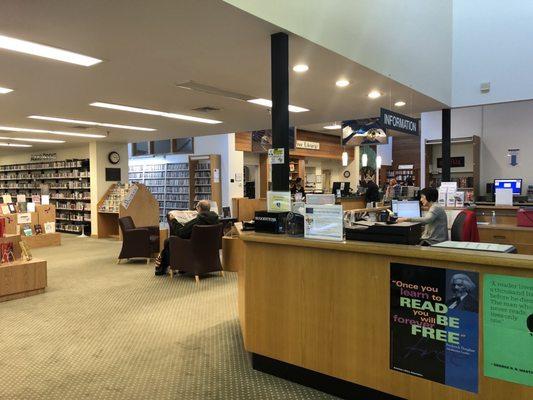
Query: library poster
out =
(434, 324)
(508, 328)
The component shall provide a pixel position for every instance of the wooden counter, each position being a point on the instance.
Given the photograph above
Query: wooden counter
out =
(325, 307)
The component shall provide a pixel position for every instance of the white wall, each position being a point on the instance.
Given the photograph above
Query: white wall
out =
(501, 127)
(492, 43)
(63, 153)
(408, 41)
(98, 153)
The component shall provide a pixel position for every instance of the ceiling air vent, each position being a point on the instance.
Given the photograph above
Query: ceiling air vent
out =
(206, 109)
(79, 127)
(200, 87)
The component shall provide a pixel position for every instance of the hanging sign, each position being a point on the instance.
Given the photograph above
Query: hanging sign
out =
(434, 324)
(399, 122)
(276, 156)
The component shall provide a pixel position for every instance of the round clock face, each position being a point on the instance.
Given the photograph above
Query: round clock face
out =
(346, 174)
(114, 157)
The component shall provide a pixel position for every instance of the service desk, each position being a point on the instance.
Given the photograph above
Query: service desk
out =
(309, 306)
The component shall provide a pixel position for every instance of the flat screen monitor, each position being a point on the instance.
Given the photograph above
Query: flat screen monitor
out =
(406, 209)
(344, 187)
(514, 184)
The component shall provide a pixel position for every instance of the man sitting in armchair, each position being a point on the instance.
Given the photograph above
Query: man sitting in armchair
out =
(205, 217)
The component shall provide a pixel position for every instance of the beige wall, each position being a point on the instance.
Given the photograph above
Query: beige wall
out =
(98, 152)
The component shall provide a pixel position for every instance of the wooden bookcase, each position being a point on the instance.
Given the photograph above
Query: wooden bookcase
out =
(69, 188)
(204, 182)
(122, 200)
(467, 176)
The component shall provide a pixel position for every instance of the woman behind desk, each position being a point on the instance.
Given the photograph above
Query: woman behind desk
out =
(435, 220)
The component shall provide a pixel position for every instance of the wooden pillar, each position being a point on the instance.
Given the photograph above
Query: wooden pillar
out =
(446, 145)
(279, 59)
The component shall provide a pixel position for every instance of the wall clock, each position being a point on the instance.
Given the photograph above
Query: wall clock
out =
(346, 174)
(113, 157)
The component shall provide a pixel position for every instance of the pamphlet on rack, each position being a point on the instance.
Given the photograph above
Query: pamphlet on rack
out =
(446, 189)
(324, 222)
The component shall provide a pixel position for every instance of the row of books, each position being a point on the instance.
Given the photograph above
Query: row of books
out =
(46, 165)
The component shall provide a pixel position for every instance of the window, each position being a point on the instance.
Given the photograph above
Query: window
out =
(183, 145)
(140, 149)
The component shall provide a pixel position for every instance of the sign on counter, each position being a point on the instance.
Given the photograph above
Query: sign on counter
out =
(508, 328)
(323, 222)
(278, 201)
(434, 324)
(304, 144)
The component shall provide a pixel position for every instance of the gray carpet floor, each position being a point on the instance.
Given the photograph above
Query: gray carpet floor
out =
(107, 331)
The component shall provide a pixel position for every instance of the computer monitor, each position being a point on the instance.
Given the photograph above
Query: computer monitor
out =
(406, 209)
(514, 184)
(344, 187)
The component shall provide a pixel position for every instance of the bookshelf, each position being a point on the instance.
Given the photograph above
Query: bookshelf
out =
(67, 182)
(204, 183)
(168, 183)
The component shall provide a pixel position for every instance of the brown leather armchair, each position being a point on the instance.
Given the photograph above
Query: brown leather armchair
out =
(140, 242)
(199, 254)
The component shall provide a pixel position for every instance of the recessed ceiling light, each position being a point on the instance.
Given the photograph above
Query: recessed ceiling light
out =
(15, 145)
(342, 83)
(374, 94)
(333, 127)
(23, 46)
(32, 140)
(400, 103)
(30, 130)
(4, 90)
(300, 68)
(268, 103)
(90, 123)
(154, 112)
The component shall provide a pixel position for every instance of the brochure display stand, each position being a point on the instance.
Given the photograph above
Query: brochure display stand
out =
(123, 200)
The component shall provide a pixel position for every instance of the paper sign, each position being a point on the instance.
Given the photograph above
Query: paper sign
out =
(276, 156)
(504, 197)
(216, 175)
(324, 222)
(30, 207)
(278, 201)
(508, 328)
(45, 199)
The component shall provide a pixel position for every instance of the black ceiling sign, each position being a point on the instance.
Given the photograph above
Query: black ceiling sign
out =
(399, 122)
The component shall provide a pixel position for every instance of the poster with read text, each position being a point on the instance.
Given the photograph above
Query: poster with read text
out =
(434, 324)
(508, 328)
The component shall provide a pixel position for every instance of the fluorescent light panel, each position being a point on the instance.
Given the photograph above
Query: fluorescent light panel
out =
(4, 90)
(32, 140)
(14, 145)
(40, 50)
(90, 123)
(268, 103)
(120, 107)
(29, 130)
